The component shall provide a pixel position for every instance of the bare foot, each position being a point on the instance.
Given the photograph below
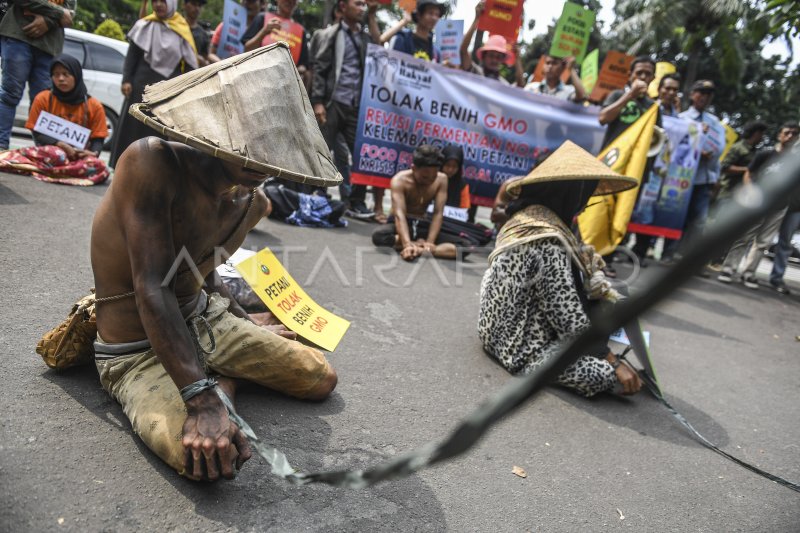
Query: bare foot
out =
(380, 217)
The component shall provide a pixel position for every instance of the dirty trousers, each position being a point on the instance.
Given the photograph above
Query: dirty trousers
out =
(151, 400)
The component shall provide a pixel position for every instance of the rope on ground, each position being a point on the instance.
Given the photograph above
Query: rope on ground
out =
(744, 211)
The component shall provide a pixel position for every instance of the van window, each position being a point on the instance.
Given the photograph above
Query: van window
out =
(75, 49)
(104, 58)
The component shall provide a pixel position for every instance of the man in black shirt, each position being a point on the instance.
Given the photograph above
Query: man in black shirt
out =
(750, 247)
(622, 108)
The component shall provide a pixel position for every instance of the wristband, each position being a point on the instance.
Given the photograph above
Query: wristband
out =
(193, 389)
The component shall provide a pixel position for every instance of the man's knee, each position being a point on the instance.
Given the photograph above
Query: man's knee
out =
(324, 386)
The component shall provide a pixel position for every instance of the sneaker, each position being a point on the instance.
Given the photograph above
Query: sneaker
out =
(781, 287)
(360, 211)
(725, 276)
(750, 282)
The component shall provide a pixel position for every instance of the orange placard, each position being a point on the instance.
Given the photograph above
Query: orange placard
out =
(613, 75)
(290, 32)
(406, 5)
(502, 17)
(538, 73)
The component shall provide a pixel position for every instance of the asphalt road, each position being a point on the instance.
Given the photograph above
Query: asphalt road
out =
(409, 367)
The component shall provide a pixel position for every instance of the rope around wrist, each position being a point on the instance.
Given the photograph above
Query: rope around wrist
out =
(274, 457)
(193, 389)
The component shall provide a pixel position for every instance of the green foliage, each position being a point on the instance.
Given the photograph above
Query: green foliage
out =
(110, 28)
(784, 15)
(718, 40)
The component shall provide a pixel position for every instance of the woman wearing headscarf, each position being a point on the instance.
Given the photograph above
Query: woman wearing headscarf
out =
(161, 47)
(55, 160)
(453, 167)
(535, 294)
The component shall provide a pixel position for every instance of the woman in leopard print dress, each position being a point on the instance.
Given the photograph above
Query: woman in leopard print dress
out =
(533, 296)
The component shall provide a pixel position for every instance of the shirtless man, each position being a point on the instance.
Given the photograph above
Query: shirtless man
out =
(157, 237)
(408, 230)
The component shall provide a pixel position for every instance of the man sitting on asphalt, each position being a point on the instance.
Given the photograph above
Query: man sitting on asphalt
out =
(166, 323)
(408, 229)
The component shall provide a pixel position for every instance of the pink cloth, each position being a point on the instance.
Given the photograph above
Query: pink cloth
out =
(51, 164)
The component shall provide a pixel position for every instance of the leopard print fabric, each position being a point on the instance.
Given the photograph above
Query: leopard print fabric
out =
(529, 306)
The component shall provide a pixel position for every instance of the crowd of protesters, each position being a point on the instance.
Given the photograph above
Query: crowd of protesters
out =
(331, 60)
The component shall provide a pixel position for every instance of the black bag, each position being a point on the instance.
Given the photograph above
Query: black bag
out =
(284, 201)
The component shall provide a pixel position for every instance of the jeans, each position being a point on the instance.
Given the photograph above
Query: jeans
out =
(784, 247)
(695, 217)
(22, 63)
(698, 208)
(343, 119)
(341, 157)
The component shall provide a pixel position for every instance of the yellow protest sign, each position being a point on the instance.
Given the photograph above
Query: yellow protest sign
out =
(730, 138)
(662, 69)
(289, 302)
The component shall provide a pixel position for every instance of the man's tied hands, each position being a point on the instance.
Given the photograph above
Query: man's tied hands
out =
(213, 444)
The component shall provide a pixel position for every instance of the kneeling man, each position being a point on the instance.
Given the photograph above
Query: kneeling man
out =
(165, 320)
(409, 230)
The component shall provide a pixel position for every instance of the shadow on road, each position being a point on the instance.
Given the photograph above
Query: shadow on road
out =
(256, 500)
(645, 415)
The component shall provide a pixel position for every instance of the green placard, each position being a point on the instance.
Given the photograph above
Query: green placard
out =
(572, 32)
(589, 70)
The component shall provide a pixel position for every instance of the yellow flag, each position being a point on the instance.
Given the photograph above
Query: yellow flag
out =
(604, 223)
(730, 138)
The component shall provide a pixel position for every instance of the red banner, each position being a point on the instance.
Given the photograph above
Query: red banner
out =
(502, 17)
(290, 32)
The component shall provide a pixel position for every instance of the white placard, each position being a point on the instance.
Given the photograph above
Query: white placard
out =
(456, 213)
(62, 130)
(228, 268)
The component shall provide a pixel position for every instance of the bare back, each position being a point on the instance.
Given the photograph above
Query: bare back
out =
(168, 203)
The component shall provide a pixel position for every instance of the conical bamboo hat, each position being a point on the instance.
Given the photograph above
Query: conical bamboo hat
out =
(571, 162)
(250, 109)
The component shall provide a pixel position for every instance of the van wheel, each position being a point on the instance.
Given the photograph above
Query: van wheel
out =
(112, 121)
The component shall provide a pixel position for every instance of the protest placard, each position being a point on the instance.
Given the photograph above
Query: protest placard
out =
(290, 304)
(714, 139)
(62, 130)
(406, 5)
(664, 198)
(501, 17)
(448, 35)
(613, 75)
(234, 24)
(290, 32)
(589, 70)
(406, 102)
(572, 33)
(538, 72)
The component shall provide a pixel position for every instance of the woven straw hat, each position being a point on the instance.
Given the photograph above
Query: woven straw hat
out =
(250, 109)
(571, 162)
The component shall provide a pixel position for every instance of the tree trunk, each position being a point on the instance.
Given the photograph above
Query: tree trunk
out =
(326, 15)
(691, 70)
